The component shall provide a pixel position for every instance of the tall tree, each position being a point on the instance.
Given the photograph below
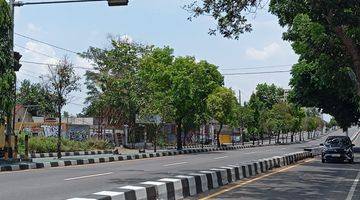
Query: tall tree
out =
(113, 86)
(60, 82)
(38, 98)
(326, 36)
(264, 98)
(222, 106)
(7, 74)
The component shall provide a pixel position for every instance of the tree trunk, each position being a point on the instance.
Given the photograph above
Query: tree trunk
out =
(218, 136)
(178, 134)
(242, 136)
(292, 137)
(253, 138)
(269, 135)
(262, 138)
(155, 138)
(352, 50)
(278, 137)
(59, 134)
(185, 136)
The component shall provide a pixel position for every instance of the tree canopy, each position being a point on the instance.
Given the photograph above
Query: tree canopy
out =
(38, 98)
(326, 36)
(7, 74)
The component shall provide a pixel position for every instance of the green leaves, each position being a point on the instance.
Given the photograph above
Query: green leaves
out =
(223, 107)
(7, 75)
(38, 97)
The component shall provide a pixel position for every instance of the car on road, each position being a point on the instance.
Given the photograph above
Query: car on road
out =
(337, 148)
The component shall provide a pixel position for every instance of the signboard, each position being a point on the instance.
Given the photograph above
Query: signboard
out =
(150, 119)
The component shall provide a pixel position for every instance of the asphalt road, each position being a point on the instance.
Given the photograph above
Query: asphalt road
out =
(310, 180)
(67, 182)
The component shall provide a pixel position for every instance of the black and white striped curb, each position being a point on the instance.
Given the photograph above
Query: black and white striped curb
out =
(182, 186)
(39, 165)
(75, 153)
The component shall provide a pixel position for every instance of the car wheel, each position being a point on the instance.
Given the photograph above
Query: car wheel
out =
(351, 160)
(323, 160)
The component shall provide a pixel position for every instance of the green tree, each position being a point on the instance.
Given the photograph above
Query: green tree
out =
(332, 123)
(114, 91)
(281, 114)
(6, 72)
(60, 82)
(38, 98)
(222, 106)
(326, 35)
(264, 98)
(298, 115)
(190, 85)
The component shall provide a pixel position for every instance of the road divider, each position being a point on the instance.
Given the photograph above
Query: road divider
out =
(186, 185)
(114, 158)
(65, 154)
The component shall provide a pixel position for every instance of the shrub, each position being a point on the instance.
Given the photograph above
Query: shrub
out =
(41, 144)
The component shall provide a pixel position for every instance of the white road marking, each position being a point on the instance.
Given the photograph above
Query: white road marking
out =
(109, 193)
(250, 152)
(89, 176)
(220, 157)
(283, 148)
(179, 163)
(353, 187)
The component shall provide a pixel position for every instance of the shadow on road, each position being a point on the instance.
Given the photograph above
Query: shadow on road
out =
(313, 180)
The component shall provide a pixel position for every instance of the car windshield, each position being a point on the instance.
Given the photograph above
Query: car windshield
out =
(336, 142)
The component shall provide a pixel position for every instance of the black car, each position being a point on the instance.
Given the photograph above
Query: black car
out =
(337, 148)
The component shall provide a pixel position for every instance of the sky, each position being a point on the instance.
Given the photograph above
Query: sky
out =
(78, 26)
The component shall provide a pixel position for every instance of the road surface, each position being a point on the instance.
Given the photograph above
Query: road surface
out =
(67, 182)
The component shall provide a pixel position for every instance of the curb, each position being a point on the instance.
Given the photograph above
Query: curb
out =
(75, 153)
(40, 165)
(182, 186)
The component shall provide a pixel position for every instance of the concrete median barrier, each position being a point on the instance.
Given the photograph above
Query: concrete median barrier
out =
(186, 185)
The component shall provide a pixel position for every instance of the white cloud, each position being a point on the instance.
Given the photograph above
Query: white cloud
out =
(32, 28)
(268, 51)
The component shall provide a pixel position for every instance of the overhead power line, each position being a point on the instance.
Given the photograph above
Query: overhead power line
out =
(256, 67)
(255, 73)
(43, 54)
(46, 43)
(50, 64)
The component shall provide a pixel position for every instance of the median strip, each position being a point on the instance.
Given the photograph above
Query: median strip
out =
(191, 184)
(65, 163)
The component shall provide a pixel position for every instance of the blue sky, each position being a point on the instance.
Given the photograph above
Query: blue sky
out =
(160, 22)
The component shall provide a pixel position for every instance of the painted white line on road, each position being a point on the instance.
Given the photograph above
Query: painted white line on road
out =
(353, 187)
(88, 176)
(283, 148)
(250, 152)
(220, 157)
(179, 163)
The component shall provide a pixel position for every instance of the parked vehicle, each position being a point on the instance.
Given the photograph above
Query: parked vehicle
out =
(337, 148)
